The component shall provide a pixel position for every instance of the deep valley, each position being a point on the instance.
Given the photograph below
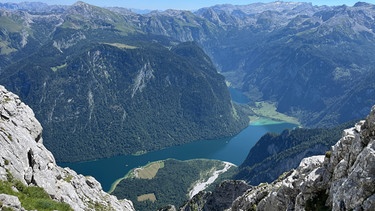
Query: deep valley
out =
(266, 106)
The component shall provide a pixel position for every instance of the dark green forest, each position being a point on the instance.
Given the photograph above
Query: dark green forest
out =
(105, 82)
(99, 100)
(176, 178)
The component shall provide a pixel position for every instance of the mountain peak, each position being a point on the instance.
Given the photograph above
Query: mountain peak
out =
(84, 8)
(80, 3)
(362, 4)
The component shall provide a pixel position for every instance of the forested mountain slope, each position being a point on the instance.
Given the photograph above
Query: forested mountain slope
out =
(324, 53)
(101, 88)
(314, 63)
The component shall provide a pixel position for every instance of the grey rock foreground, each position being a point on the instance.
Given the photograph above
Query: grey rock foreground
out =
(343, 179)
(23, 154)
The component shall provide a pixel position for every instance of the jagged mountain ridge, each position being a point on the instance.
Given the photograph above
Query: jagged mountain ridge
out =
(320, 51)
(343, 179)
(347, 73)
(35, 7)
(349, 164)
(259, 46)
(25, 159)
(103, 88)
(325, 53)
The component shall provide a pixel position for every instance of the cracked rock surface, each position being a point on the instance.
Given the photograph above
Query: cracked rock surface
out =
(344, 179)
(23, 154)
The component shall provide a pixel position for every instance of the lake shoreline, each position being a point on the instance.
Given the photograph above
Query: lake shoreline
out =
(110, 171)
(267, 121)
(129, 173)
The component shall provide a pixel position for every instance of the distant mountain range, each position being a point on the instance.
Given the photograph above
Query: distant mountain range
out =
(101, 88)
(316, 63)
(98, 76)
(343, 178)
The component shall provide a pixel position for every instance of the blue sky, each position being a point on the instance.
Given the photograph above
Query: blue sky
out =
(186, 5)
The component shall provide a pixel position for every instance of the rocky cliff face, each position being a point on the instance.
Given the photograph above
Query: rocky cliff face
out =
(274, 154)
(343, 179)
(23, 155)
(219, 199)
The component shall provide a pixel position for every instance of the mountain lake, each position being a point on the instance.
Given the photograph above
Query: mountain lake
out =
(233, 150)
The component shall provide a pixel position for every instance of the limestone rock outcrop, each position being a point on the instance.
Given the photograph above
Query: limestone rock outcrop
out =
(219, 199)
(23, 155)
(343, 179)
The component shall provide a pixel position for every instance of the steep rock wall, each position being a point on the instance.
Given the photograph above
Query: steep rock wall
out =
(23, 155)
(343, 179)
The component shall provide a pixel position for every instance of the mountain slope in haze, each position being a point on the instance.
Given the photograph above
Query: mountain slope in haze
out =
(324, 53)
(114, 99)
(101, 87)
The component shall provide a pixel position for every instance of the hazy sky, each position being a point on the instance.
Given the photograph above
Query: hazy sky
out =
(181, 4)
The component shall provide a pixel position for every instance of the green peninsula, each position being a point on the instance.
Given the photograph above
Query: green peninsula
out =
(181, 180)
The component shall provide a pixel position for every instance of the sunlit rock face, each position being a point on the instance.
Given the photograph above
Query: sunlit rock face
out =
(24, 156)
(342, 179)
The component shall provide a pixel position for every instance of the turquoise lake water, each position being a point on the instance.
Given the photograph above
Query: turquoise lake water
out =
(233, 150)
(238, 96)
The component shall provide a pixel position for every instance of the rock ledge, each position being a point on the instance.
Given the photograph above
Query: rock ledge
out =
(343, 179)
(23, 154)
